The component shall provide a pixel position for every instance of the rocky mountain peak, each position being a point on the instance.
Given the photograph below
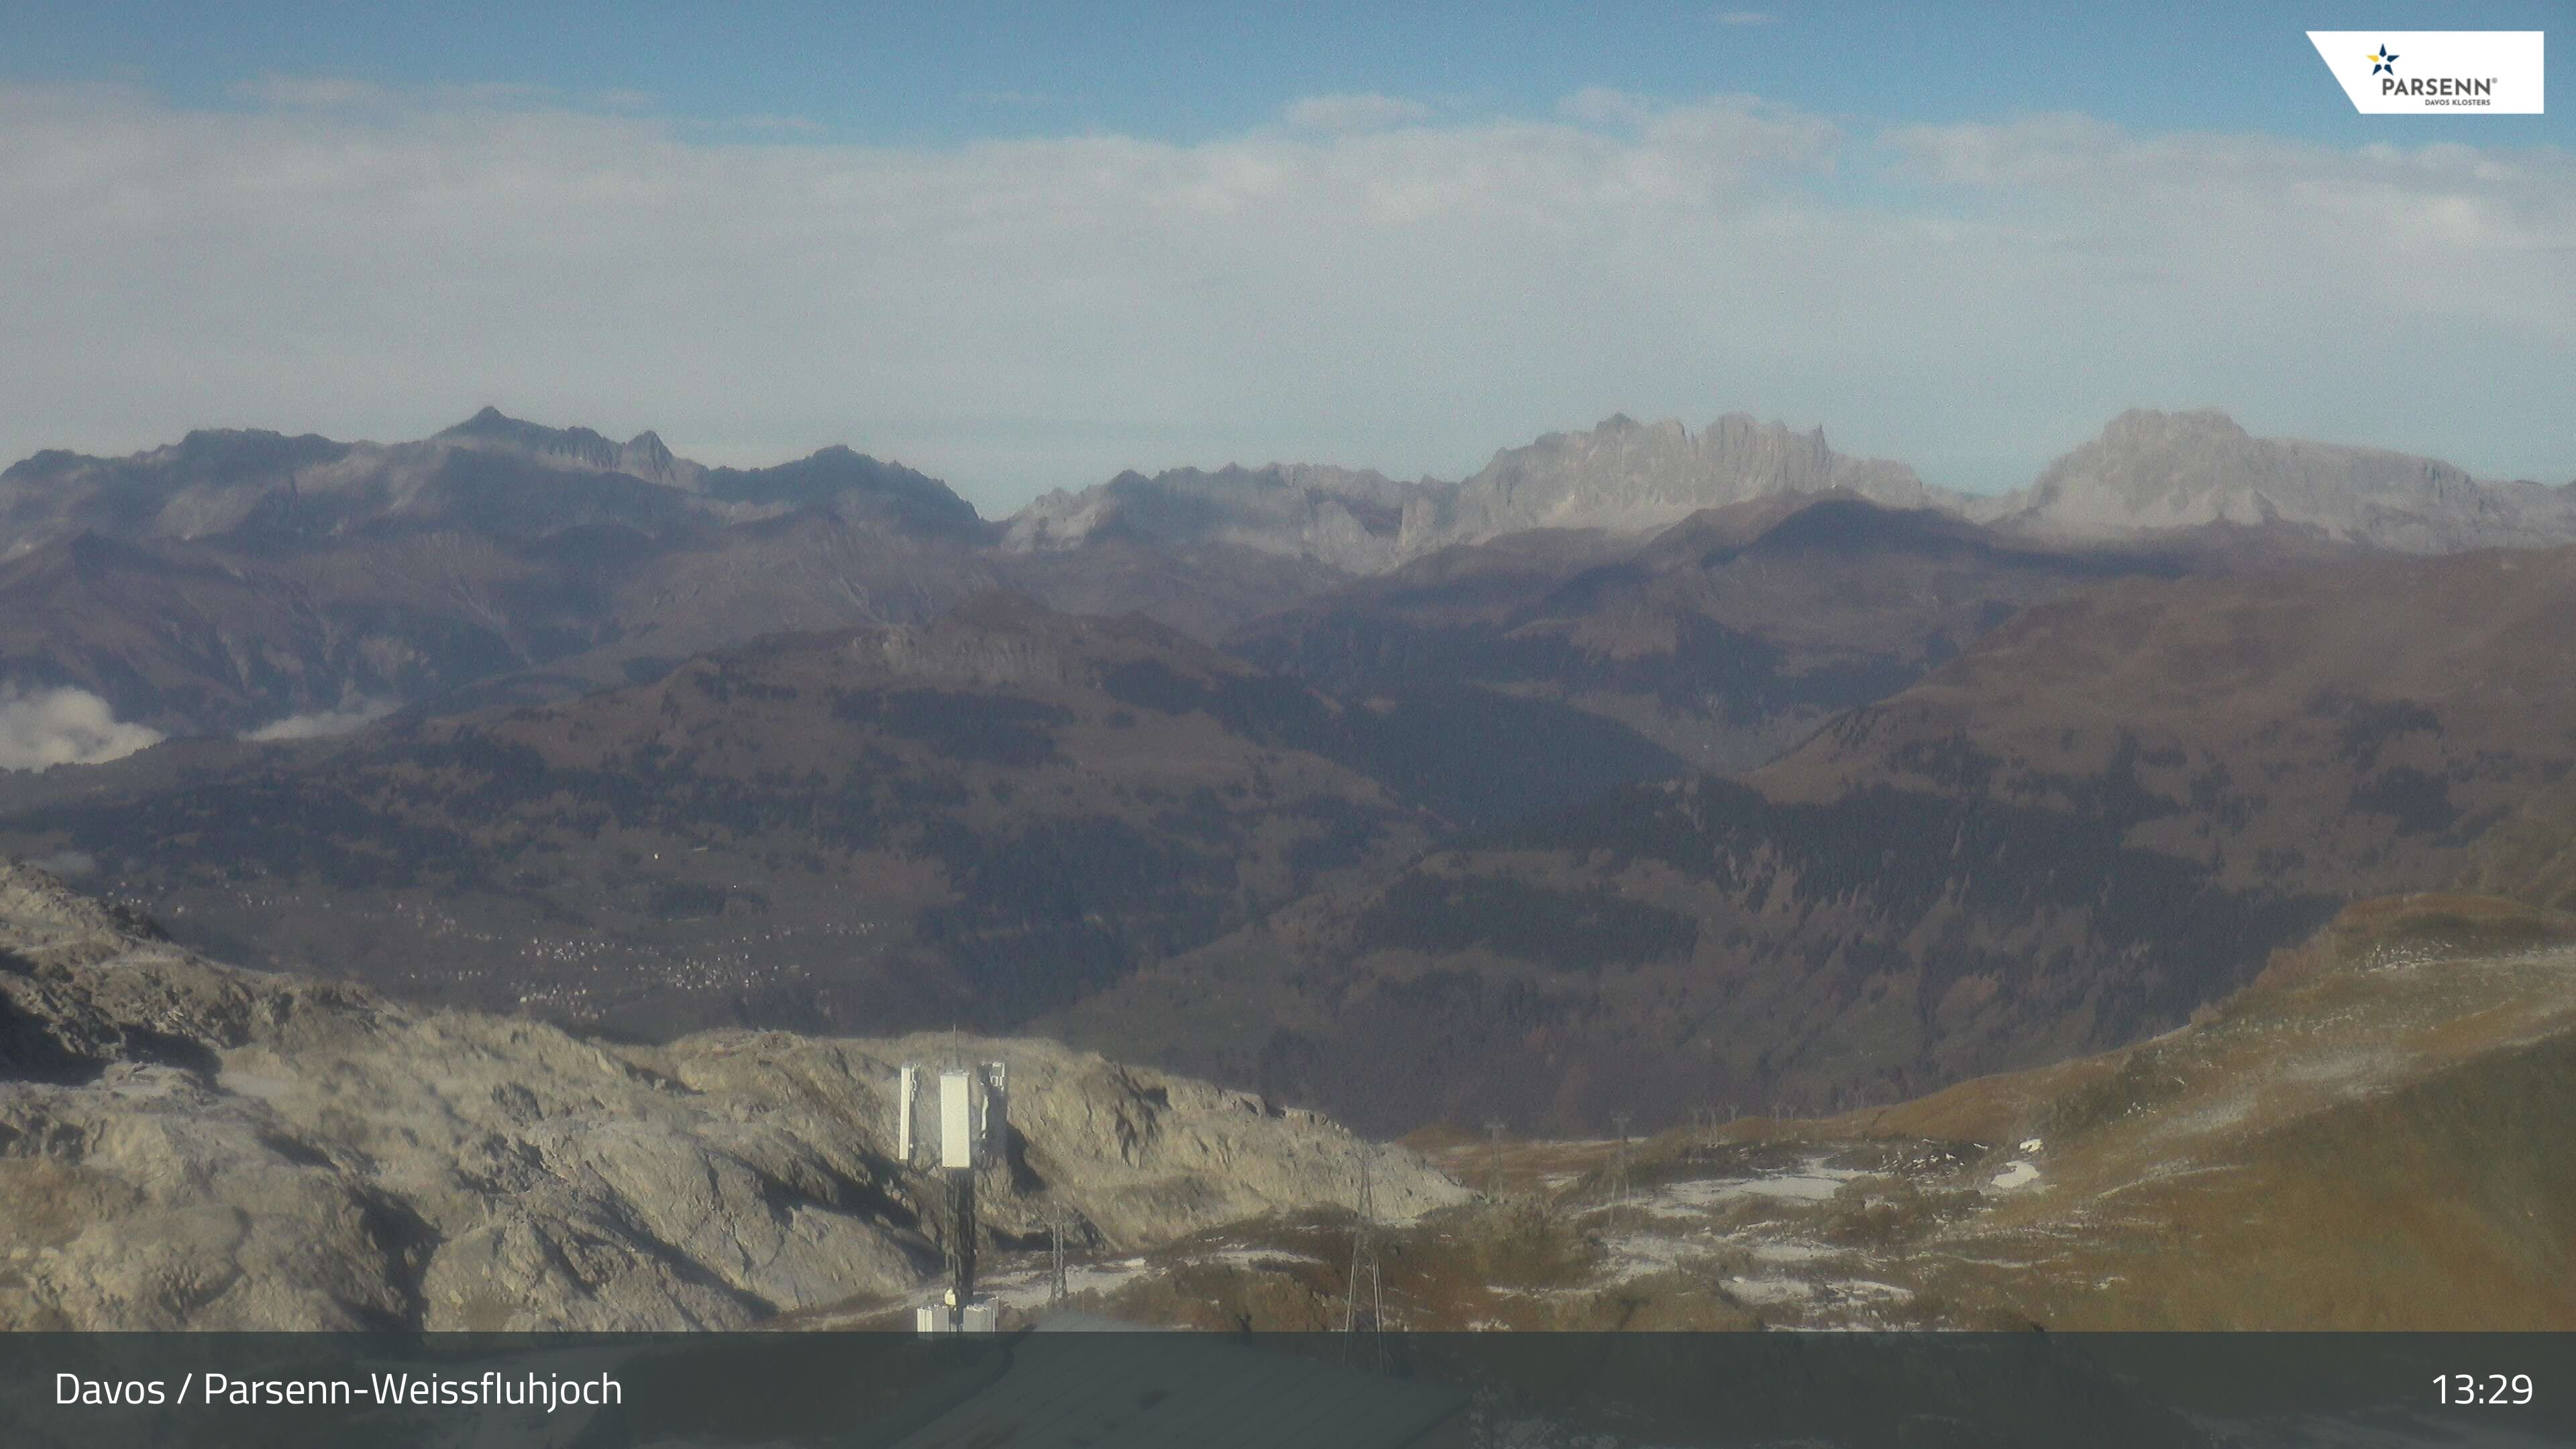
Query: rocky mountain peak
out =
(1622, 475)
(856, 486)
(646, 456)
(1627, 476)
(2146, 428)
(1346, 518)
(643, 456)
(491, 428)
(2151, 471)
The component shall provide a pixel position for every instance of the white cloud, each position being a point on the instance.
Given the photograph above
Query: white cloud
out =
(1607, 106)
(311, 91)
(772, 125)
(321, 723)
(1355, 113)
(1015, 315)
(40, 728)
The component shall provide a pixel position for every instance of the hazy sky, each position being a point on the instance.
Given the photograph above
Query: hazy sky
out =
(1024, 253)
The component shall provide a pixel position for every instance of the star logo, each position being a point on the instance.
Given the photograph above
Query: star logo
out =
(2382, 60)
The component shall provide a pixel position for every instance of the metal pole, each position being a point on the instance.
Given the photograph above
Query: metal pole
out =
(1057, 1294)
(1619, 1172)
(1363, 1255)
(961, 1187)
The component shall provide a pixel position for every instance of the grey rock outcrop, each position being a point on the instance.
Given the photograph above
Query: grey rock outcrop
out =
(1630, 477)
(643, 456)
(1623, 476)
(1346, 519)
(188, 1145)
(2148, 473)
(490, 476)
(2152, 471)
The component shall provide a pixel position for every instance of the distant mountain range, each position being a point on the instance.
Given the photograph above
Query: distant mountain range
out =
(238, 579)
(2148, 473)
(1645, 764)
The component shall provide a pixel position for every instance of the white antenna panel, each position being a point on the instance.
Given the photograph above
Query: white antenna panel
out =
(994, 1111)
(956, 1119)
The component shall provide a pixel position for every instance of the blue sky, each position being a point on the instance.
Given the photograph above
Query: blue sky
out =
(1188, 72)
(1024, 247)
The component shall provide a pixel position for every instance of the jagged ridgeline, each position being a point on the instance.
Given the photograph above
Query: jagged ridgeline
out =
(236, 579)
(240, 578)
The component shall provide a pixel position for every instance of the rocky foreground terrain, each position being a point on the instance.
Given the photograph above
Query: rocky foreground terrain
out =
(184, 1144)
(2368, 1137)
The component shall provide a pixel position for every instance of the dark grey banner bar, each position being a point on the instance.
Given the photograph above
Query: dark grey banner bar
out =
(1108, 1389)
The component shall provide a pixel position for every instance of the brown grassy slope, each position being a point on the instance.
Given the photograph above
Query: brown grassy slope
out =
(2351, 729)
(923, 826)
(187, 638)
(2372, 1136)
(2532, 855)
(2102, 816)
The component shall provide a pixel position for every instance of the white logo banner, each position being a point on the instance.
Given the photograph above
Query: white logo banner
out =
(2435, 72)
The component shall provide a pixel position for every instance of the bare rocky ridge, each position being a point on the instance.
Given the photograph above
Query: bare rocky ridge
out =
(2152, 472)
(1347, 519)
(1629, 477)
(188, 1145)
(644, 455)
(1623, 477)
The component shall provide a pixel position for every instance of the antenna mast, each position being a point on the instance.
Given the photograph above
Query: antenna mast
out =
(974, 1127)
